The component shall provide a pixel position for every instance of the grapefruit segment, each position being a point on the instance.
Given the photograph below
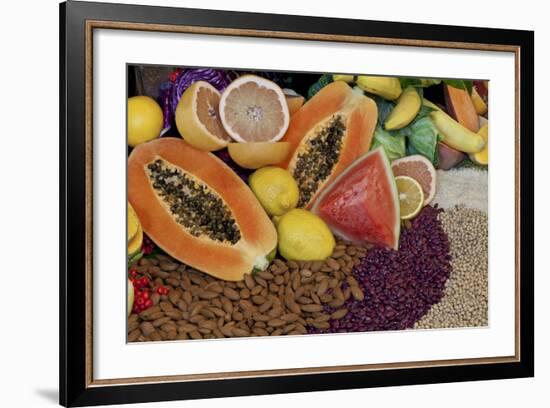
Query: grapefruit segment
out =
(361, 204)
(197, 117)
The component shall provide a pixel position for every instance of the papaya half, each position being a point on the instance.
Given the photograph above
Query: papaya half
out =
(194, 207)
(327, 134)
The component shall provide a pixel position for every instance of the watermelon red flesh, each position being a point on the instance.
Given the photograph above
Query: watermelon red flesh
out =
(361, 205)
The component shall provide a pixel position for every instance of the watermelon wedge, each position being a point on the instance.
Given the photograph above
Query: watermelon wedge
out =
(361, 205)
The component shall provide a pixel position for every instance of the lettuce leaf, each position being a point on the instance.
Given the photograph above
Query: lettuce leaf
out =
(418, 82)
(384, 107)
(393, 144)
(422, 138)
(323, 81)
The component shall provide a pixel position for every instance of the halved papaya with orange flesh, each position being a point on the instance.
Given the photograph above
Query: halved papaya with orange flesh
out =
(327, 134)
(461, 107)
(194, 207)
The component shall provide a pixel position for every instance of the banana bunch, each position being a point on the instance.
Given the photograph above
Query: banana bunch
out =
(455, 135)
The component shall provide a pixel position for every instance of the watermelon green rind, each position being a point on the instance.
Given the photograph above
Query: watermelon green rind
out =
(390, 182)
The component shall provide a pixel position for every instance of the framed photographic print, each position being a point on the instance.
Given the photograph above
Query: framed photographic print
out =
(255, 203)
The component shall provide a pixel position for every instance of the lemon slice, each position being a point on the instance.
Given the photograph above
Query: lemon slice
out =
(254, 109)
(198, 120)
(411, 196)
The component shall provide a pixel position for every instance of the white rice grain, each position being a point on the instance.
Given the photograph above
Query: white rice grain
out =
(463, 186)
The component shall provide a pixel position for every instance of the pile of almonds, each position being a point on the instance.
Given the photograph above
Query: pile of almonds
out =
(286, 299)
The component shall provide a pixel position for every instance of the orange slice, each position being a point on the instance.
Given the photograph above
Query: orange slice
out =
(198, 119)
(260, 154)
(254, 109)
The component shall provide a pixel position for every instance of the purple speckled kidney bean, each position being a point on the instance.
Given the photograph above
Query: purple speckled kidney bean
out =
(399, 286)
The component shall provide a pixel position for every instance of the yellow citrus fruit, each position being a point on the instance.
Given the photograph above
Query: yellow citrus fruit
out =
(198, 119)
(275, 189)
(255, 155)
(411, 196)
(482, 157)
(144, 120)
(303, 236)
(254, 109)
(134, 245)
(133, 222)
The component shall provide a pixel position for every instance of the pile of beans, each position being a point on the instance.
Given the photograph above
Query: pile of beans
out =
(399, 286)
(466, 299)
(437, 278)
(289, 298)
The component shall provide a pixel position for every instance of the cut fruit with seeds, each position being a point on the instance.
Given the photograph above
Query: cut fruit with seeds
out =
(411, 197)
(254, 109)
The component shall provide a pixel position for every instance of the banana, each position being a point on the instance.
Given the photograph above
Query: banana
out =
(346, 78)
(479, 103)
(386, 87)
(455, 135)
(482, 157)
(405, 111)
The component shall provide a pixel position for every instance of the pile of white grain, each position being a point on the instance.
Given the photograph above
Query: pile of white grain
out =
(463, 193)
(462, 186)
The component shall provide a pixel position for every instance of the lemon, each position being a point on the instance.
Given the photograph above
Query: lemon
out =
(133, 222)
(303, 236)
(275, 189)
(411, 196)
(144, 120)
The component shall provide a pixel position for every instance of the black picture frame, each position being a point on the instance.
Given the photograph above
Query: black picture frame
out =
(75, 386)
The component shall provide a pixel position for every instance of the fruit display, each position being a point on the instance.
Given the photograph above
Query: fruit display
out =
(327, 134)
(278, 203)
